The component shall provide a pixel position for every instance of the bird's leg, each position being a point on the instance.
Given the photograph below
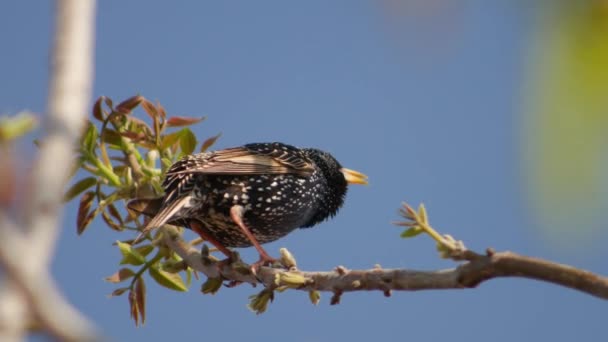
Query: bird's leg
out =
(236, 213)
(196, 227)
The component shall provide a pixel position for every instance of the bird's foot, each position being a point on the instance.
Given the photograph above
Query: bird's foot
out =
(265, 260)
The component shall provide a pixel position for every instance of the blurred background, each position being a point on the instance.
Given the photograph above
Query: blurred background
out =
(494, 114)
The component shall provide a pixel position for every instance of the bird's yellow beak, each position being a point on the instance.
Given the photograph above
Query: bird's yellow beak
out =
(354, 177)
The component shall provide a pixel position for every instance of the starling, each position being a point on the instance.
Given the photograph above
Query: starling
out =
(250, 195)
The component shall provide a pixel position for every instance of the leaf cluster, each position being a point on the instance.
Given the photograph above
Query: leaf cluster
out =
(122, 157)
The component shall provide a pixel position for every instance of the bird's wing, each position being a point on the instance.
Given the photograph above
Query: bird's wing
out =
(252, 159)
(164, 215)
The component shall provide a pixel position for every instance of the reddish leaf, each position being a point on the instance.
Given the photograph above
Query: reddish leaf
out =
(84, 217)
(114, 212)
(171, 281)
(98, 112)
(209, 142)
(118, 292)
(161, 109)
(179, 121)
(134, 307)
(122, 275)
(127, 105)
(149, 108)
(108, 220)
(108, 102)
(140, 297)
(86, 221)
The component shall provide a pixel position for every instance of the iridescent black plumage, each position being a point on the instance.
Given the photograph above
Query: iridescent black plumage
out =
(273, 187)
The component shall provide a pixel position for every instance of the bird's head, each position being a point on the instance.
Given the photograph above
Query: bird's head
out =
(337, 178)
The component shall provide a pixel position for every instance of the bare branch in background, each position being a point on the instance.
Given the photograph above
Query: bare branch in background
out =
(29, 297)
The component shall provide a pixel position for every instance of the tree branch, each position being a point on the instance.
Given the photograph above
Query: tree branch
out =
(475, 270)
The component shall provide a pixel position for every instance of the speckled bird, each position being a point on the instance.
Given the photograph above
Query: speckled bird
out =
(250, 195)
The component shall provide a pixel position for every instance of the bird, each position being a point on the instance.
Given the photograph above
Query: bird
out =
(249, 195)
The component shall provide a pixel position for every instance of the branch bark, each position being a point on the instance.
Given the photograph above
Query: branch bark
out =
(476, 269)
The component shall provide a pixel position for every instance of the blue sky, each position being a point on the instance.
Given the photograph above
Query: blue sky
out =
(425, 99)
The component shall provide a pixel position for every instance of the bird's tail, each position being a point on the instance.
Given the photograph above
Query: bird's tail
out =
(164, 215)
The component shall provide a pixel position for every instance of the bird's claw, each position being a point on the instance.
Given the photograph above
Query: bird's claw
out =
(265, 260)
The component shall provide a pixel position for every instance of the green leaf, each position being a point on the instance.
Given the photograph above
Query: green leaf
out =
(89, 141)
(188, 277)
(79, 187)
(166, 162)
(187, 141)
(170, 139)
(314, 296)
(212, 285)
(414, 231)
(144, 250)
(171, 281)
(259, 303)
(112, 138)
(422, 213)
(17, 126)
(129, 254)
